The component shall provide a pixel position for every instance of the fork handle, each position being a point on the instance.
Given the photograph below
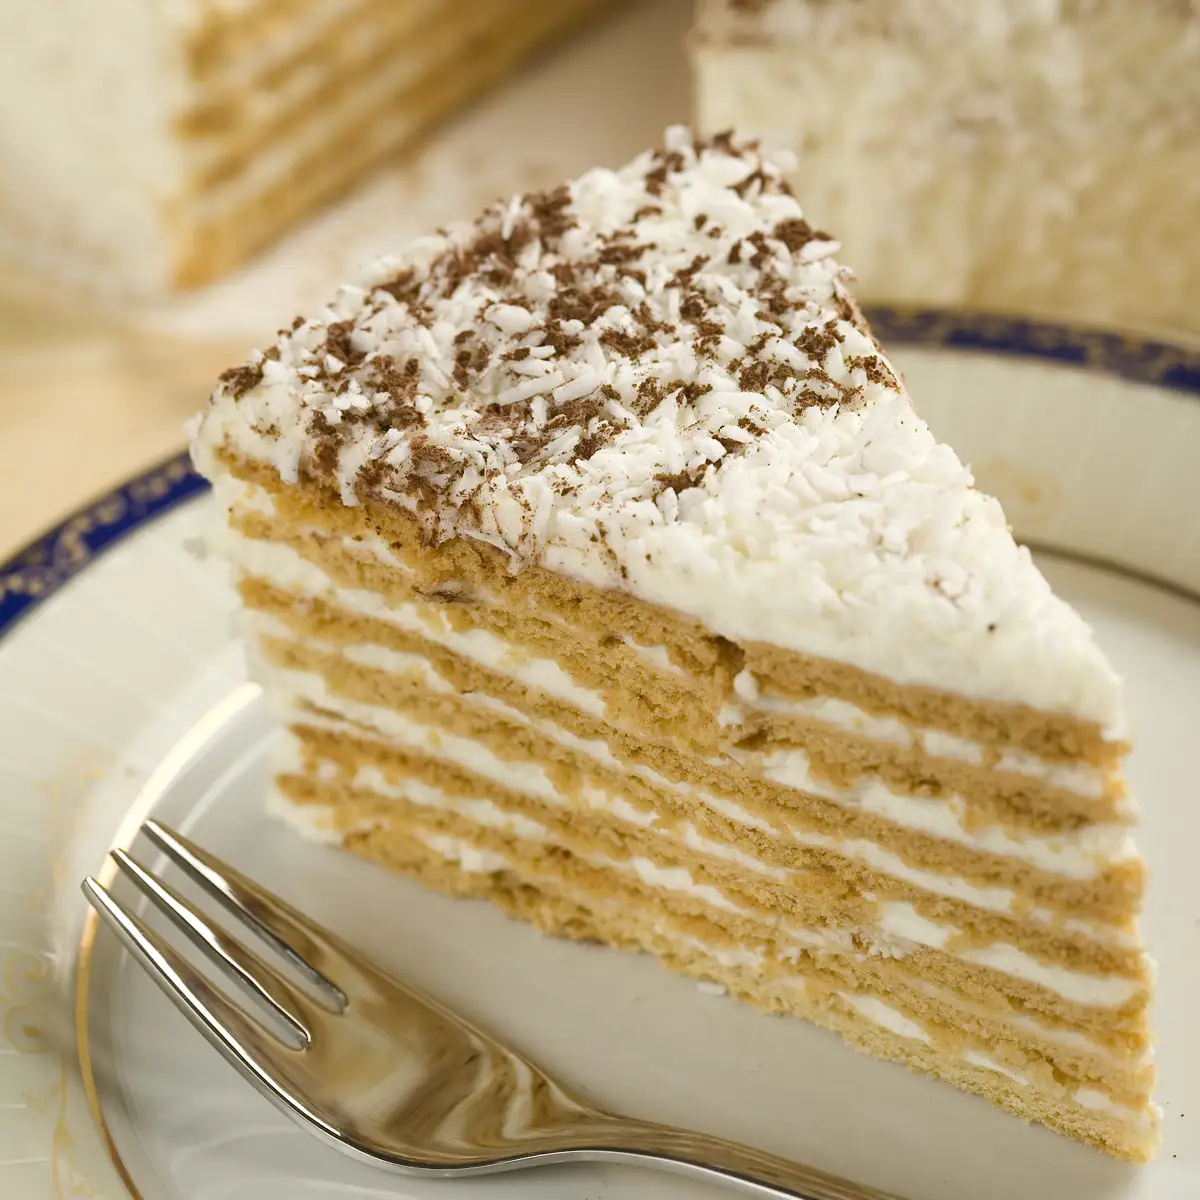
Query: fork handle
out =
(718, 1161)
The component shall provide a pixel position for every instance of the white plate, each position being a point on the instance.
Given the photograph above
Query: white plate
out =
(99, 681)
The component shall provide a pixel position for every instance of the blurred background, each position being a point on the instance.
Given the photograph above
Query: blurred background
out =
(177, 180)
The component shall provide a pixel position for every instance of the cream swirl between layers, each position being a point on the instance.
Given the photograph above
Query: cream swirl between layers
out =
(899, 922)
(1080, 855)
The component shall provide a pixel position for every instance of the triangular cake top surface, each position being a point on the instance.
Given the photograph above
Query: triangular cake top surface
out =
(655, 379)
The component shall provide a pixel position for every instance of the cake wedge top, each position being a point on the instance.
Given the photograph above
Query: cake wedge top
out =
(655, 379)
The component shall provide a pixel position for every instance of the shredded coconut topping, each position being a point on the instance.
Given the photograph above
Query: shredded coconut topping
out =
(656, 379)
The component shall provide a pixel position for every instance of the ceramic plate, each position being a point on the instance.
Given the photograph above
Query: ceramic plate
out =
(122, 691)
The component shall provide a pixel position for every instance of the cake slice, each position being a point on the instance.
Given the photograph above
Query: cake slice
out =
(598, 564)
(1014, 155)
(146, 146)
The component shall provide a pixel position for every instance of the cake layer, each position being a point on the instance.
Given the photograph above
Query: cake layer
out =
(1068, 857)
(404, 682)
(291, 57)
(641, 907)
(841, 881)
(217, 34)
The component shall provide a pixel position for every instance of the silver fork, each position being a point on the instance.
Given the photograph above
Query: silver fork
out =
(386, 1074)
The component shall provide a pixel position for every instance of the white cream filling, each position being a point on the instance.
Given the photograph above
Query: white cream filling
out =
(314, 823)
(1098, 1102)
(289, 569)
(975, 1059)
(1083, 779)
(885, 1016)
(1070, 1038)
(1102, 991)
(993, 898)
(898, 920)
(655, 656)
(870, 853)
(469, 858)
(238, 494)
(694, 840)
(235, 495)
(1078, 855)
(671, 879)
(525, 776)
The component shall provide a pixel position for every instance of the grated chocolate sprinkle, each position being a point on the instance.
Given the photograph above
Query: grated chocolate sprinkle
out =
(634, 331)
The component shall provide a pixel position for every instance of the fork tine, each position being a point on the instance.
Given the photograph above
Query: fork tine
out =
(257, 977)
(302, 942)
(241, 1041)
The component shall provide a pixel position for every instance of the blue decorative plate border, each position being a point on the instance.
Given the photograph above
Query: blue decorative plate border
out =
(1141, 358)
(37, 571)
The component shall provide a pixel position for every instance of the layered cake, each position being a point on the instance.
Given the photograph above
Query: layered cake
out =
(1006, 153)
(598, 564)
(147, 146)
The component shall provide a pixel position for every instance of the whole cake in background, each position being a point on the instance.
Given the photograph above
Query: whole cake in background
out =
(1030, 155)
(598, 564)
(147, 146)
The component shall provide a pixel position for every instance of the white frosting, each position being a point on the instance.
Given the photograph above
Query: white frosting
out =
(843, 529)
